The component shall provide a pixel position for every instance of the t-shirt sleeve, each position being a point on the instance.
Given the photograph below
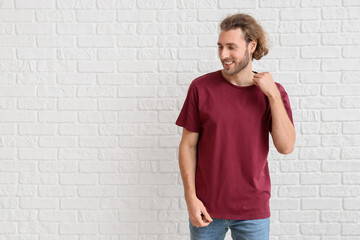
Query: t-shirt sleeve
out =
(287, 106)
(189, 115)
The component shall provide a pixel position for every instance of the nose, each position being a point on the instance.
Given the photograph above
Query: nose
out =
(223, 54)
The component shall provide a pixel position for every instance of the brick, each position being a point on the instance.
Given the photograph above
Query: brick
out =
(146, 66)
(176, 16)
(338, 216)
(139, 15)
(35, 29)
(78, 228)
(321, 52)
(341, 166)
(320, 229)
(119, 29)
(118, 104)
(97, 142)
(350, 229)
(340, 65)
(300, 14)
(12, 15)
(301, 191)
(278, 3)
(351, 52)
(55, 15)
(323, 26)
(76, 4)
(319, 179)
(340, 90)
(117, 54)
(340, 13)
(177, 66)
(38, 53)
(300, 166)
(300, 64)
(96, 92)
(75, 28)
(156, 28)
(196, 54)
(136, 117)
(320, 103)
(319, 77)
(53, 215)
(299, 39)
(96, 41)
(321, 128)
(95, 16)
(111, 4)
(17, 41)
(77, 104)
(351, 127)
(99, 67)
(76, 54)
(117, 228)
(339, 191)
(314, 153)
(36, 203)
(320, 3)
(351, 3)
(201, 4)
(321, 203)
(237, 4)
(156, 54)
(196, 28)
(96, 117)
(35, 4)
(56, 41)
(137, 141)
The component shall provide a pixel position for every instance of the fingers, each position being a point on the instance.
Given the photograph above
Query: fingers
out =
(205, 219)
(207, 216)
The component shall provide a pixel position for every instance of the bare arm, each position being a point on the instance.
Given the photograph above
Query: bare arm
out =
(283, 132)
(187, 161)
(198, 215)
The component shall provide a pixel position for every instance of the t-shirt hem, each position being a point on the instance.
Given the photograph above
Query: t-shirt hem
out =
(191, 129)
(251, 216)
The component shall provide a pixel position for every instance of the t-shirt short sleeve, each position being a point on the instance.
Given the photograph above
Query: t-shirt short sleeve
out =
(287, 106)
(189, 115)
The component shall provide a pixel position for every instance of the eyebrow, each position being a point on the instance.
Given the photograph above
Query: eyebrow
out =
(229, 44)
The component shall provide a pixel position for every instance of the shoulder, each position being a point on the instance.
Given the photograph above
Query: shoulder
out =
(280, 87)
(204, 79)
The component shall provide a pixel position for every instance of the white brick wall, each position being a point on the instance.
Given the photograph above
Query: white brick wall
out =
(90, 91)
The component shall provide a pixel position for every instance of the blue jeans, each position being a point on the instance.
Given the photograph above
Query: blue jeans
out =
(255, 229)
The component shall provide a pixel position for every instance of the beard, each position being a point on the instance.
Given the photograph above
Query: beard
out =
(239, 66)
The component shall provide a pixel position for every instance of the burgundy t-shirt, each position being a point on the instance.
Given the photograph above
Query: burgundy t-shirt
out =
(232, 175)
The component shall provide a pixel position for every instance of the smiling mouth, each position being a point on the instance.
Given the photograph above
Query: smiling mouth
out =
(228, 63)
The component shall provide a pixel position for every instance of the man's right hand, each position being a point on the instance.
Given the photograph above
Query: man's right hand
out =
(198, 215)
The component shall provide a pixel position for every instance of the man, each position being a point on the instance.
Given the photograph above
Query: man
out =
(226, 118)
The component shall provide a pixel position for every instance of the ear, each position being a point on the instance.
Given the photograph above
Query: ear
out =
(253, 45)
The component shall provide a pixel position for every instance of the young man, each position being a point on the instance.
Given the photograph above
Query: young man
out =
(226, 118)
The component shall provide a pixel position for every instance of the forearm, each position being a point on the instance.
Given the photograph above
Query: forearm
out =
(187, 164)
(283, 131)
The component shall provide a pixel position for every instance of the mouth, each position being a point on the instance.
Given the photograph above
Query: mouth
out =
(228, 63)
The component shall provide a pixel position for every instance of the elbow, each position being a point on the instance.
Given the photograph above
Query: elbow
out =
(287, 149)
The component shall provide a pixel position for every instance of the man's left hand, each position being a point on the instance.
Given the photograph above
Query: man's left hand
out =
(266, 83)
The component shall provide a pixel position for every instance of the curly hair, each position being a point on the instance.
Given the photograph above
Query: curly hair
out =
(251, 29)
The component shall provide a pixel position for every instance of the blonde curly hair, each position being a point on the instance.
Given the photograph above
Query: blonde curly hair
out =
(251, 29)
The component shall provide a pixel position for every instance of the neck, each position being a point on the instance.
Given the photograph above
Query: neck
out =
(242, 78)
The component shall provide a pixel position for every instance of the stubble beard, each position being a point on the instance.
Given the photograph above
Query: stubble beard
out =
(239, 66)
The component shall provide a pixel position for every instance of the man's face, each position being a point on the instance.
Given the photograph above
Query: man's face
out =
(233, 51)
